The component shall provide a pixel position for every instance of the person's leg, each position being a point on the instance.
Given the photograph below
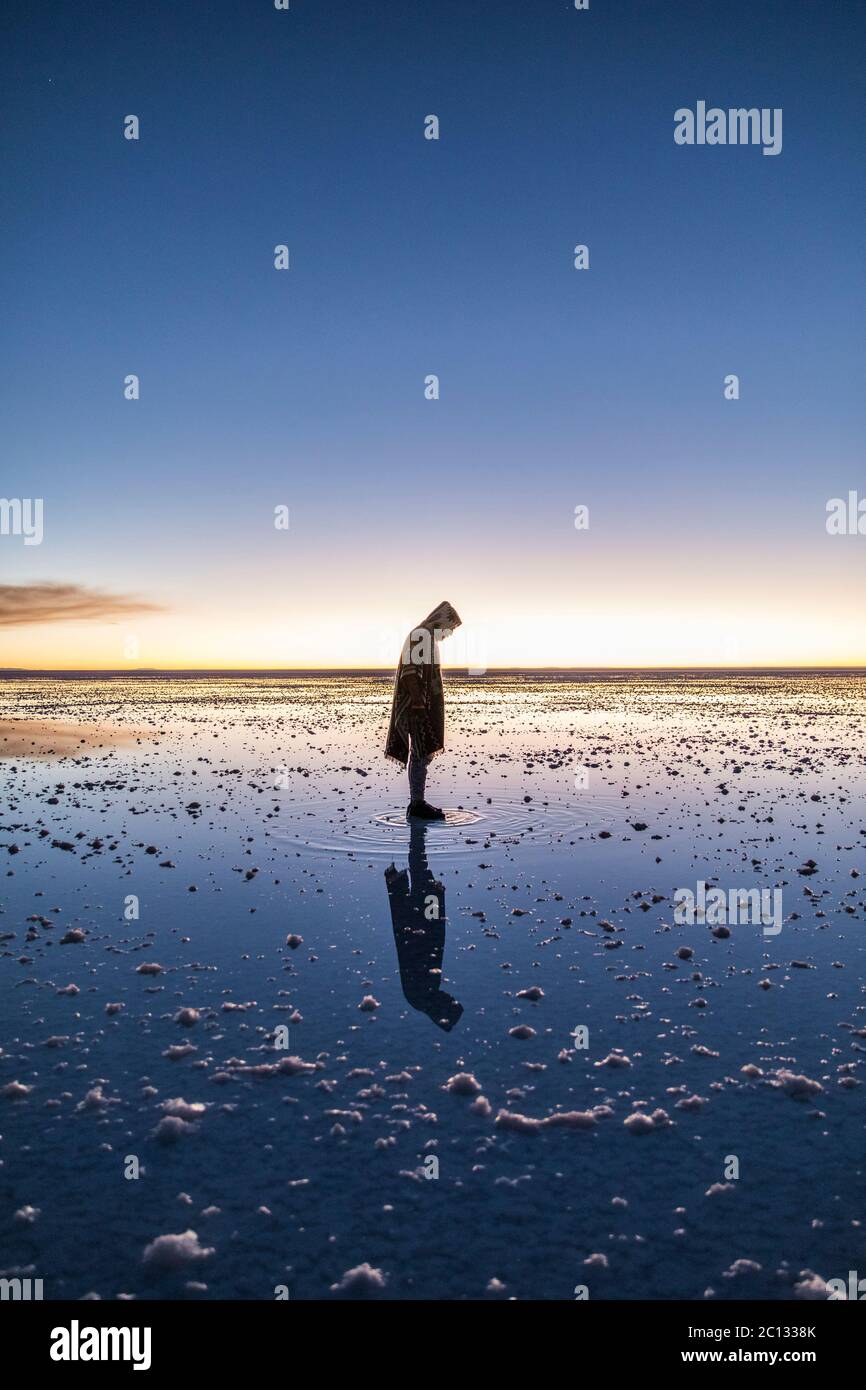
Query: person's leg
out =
(417, 770)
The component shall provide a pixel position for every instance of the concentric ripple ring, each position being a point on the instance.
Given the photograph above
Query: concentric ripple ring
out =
(360, 826)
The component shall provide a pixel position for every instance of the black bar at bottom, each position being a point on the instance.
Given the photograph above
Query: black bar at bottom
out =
(257, 1338)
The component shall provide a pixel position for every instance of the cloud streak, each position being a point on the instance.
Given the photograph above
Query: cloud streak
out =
(21, 604)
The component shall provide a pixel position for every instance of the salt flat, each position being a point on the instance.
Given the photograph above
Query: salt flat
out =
(228, 966)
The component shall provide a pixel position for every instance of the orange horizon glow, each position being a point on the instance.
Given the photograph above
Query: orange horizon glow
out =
(607, 612)
(587, 642)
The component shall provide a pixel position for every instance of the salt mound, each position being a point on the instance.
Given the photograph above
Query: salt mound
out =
(361, 1280)
(175, 1251)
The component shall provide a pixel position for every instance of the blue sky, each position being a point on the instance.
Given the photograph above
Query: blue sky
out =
(411, 257)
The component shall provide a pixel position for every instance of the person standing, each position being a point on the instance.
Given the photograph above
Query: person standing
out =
(416, 732)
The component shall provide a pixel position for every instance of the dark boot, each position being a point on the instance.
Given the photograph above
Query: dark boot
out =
(422, 810)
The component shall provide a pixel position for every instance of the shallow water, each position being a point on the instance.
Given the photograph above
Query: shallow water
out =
(270, 798)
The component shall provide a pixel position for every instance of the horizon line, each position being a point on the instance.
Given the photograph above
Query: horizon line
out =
(13, 672)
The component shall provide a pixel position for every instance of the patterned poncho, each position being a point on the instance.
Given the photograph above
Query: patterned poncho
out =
(418, 704)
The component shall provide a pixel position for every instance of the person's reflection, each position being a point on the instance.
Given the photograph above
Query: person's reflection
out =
(417, 902)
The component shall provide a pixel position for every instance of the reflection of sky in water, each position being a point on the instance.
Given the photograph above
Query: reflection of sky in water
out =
(722, 775)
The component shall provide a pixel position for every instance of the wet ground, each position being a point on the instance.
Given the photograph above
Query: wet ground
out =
(476, 1060)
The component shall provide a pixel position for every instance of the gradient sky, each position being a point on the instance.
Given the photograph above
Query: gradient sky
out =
(707, 540)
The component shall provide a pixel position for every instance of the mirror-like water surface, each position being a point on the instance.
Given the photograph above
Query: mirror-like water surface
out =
(478, 1059)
